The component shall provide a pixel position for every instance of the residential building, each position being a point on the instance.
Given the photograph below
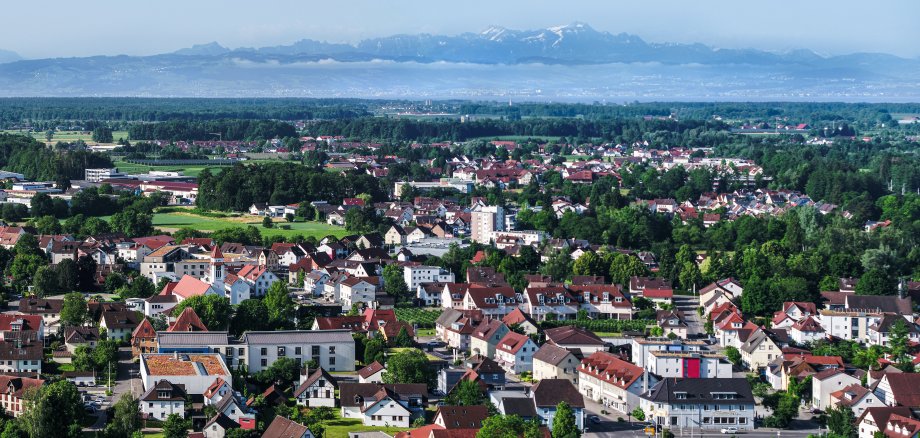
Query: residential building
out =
(316, 389)
(486, 337)
(554, 362)
(613, 382)
(417, 275)
(548, 393)
(707, 404)
(13, 390)
(281, 427)
(642, 347)
(876, 419)
(383, 405)
(856, 397)
(690, 365)
(575, 339)
(515, 353)
(195, 372)
(162, 400)
(485, 220)
(333, 350)
(759, 350)
(827, 382)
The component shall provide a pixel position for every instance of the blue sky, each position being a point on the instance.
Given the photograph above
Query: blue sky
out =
(45, 28)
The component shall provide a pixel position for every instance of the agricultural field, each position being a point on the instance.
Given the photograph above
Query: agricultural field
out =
(425, 318)
(175, 220)
(190, 170)
(70, 136)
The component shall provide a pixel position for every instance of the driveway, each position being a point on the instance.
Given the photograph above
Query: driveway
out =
(689, 305)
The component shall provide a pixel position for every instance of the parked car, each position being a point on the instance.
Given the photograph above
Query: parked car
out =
(594, 419)
(730, 430)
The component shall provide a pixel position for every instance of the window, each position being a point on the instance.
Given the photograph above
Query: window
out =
(315, 350)
(332, 360)
(282, 351)
(264, 362)
(263, 351)
(297, 350)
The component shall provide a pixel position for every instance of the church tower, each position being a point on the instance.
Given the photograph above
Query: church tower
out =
(217, 271)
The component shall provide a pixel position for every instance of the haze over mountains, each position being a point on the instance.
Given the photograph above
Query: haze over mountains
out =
(572, 62)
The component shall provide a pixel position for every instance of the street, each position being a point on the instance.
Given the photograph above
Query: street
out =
(689, 305)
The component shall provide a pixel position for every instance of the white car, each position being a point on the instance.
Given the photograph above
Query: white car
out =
(729, 430)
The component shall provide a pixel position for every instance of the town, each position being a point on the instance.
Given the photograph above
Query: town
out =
(668, 277)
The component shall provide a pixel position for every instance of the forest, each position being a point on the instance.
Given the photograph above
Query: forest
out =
(224, 129)
(33, 159)
(239, 187)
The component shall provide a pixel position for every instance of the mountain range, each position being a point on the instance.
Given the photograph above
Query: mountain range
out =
(573, 61)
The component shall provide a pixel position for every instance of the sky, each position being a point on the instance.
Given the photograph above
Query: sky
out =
(66, 28)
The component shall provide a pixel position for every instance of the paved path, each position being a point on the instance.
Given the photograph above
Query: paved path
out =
(689, 305)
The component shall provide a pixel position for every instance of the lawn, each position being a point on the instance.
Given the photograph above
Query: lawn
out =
(175, 220)
(340, 427)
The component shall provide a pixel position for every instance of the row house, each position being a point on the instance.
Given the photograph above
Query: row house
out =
(613, 382)
(602, 301)
(456, 327)
(553, 300)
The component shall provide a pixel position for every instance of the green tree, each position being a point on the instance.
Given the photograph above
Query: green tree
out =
(466, 393)
(106, 353)
(267, 222)
(279, 304)
(876, 282)
(140, 287)
(102, 135)
(74, 310)
(373, 350)
(589, 263)
(624, 266)
(41, 205)
(45, 281)
(282, 371)
(403, 340)
(508, 426)
(214, 310)
(250, 315)
(564, 425)
(176, 426)
(733, 355)
(132, 222)
(48, 225)
(840, 422)
(86, 273)
(898, 345)
(408, 366)
(51, 411)
(82, 359)
(638, 414)
(127, 418)
(394, 283)
(558, 266)
(67, 273)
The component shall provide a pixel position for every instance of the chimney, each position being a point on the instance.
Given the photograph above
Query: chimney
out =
(175, 355)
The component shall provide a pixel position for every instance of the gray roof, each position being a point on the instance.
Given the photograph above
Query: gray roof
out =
(701, 391)
(298, 336)
(167, 339)
(552, 354)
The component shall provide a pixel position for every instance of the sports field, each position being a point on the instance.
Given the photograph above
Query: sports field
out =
(175, 220)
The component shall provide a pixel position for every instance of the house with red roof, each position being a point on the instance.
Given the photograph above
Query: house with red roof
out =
(188, 321)
(515, 353)
(188, 287)
(613, 382)
(792, 312)
(806, 330)
(495, 301)
(258, 277)
(143, 339)
(11, 325)
(602, 300)
(13, 390)
(551, 300)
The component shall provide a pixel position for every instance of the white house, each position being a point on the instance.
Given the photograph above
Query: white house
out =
(826, 382)
(316, 389)
(694, 365)
(515, 353)
(383, 405)
(707, 404)
(416, 275)
(259, 279)
(162, 400)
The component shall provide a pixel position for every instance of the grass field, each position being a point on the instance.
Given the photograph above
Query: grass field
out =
(70, 136)
(174, 220)
(131, 168)
(340, 427)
